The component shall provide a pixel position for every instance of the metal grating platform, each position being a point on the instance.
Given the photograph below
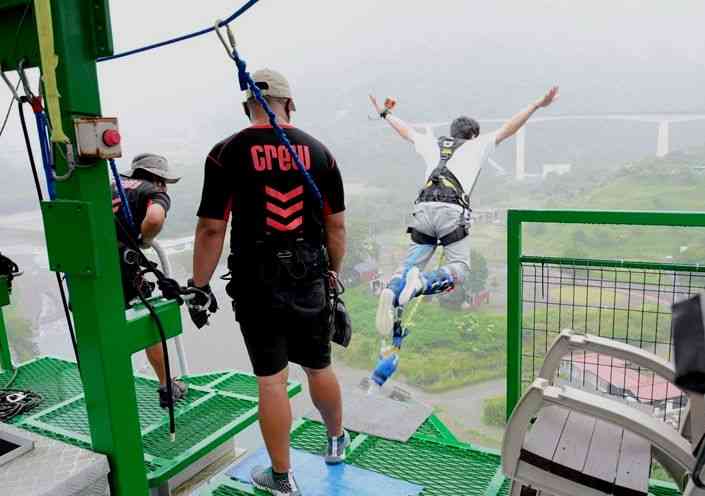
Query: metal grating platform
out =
(210, 414)
(434, 429)
(56, 380)
(432, 458)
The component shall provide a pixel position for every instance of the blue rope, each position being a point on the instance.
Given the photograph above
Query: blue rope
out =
(45, 149)
(184, 37)
(124, 204)
(246, 82)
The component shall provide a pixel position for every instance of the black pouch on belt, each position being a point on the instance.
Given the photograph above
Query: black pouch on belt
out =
(689, 344)
(342, 326)
(339, 319)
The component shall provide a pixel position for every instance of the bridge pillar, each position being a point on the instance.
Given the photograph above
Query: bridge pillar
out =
(663, 140)
(521, 154)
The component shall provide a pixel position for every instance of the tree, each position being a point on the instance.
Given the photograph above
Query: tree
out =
(360, 246)
(479, 272)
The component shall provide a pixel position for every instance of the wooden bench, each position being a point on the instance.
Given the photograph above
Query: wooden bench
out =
(604, 458)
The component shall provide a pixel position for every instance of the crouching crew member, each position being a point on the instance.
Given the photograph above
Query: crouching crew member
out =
(283, 247)
(145, 187)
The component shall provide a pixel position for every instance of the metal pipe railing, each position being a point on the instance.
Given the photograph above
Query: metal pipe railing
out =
(166, 268)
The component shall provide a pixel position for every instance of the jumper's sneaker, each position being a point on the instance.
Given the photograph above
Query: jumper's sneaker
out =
(429, 283)
(178, 390)
(413, 286)
(388, 307)
(263, 478)
(337, 447)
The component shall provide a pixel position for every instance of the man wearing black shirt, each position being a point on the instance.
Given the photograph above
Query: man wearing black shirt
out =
(146, 192)
(283, 247)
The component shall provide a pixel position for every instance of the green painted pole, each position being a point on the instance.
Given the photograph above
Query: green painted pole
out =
(612, 217)
(514, 310)
(96, 298)
(5, 356)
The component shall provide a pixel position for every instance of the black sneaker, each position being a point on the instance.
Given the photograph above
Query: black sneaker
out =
(178, 390)
(337, 448)
(263, 479)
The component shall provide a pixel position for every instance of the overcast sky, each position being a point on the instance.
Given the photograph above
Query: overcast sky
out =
(608, 55)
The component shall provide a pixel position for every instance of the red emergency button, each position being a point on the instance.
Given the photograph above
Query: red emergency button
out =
(111, 137)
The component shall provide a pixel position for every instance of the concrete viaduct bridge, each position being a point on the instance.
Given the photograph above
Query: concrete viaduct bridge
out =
(663, 121)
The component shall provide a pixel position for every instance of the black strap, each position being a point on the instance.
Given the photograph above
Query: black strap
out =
(454, 236)
(421, 238)
(435, 189)
(8, 268)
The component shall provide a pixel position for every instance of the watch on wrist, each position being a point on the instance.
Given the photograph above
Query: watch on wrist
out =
(383, 114)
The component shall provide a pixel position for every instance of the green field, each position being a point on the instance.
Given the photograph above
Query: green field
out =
(446, 348)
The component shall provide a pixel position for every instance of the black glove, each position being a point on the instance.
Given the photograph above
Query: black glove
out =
(202, 303)
(9, 269)
(171, 290)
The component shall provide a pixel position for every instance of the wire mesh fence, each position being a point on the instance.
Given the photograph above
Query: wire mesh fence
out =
(626, 304)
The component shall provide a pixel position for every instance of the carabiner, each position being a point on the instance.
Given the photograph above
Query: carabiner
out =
(25, 83)
(229, 49)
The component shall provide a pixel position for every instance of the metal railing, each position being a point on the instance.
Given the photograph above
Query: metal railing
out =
(629, 301)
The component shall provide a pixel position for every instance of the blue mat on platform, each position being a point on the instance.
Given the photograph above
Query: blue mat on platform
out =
(318, 479)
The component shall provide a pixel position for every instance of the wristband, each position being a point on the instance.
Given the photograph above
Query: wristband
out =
(383, 114)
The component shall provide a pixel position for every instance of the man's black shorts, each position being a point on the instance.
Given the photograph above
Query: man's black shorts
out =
(285, 324)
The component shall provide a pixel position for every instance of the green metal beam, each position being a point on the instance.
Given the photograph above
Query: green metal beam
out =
(609, 217)
(5, 356)
(96, 298)
(514, 310)
(617, 264)
(141, 329)
(19, 34)
(81, 234)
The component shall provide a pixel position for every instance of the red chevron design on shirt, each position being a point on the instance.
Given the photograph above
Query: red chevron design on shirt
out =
(291, 226)
(285, 213)
(284, 197)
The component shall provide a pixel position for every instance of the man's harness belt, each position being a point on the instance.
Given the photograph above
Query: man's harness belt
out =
(442, 186)
(281, 261)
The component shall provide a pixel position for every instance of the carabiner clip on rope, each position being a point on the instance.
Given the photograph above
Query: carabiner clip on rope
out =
(25, 82)
(35, 100)
(246, 83)
(231, 47)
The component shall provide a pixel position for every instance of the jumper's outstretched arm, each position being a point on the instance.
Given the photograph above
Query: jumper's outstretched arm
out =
(401, 127)
(512, 126)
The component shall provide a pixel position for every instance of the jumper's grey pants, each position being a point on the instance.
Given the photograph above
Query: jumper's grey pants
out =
(438, 219)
